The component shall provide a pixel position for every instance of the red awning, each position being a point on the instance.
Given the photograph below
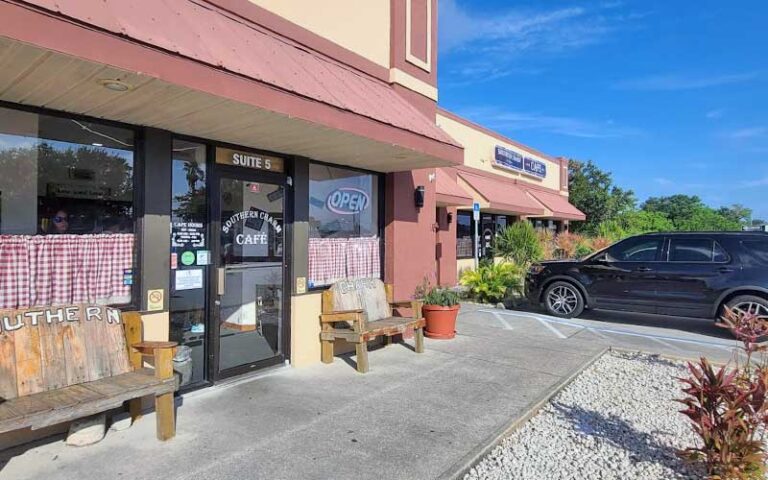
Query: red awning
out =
(558, 205)
(503, 196)
(449, 193)
(209, 35)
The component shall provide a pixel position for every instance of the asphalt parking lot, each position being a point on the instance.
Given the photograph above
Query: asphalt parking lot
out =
(682, 337)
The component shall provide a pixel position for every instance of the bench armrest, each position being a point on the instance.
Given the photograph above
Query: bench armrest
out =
(162, 352)
(402, 304)
(414, 305)
(355, 317)
(342, 316)
(149, 348)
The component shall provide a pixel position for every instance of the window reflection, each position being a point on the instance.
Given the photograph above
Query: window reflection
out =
(190, 256)
(66, 192)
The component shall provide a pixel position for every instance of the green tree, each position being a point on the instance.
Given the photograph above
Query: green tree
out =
(689, 213)
(737, 213)
(634, 223)
(593, 192)
(675, 207)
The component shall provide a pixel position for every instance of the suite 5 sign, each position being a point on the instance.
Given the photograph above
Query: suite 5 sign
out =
(347, 201)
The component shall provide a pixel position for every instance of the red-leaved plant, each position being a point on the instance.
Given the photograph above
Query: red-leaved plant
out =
(728, 408)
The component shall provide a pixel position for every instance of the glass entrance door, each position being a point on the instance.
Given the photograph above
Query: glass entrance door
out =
(249, 284)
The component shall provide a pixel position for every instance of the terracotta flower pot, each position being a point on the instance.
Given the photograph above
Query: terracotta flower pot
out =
(441, 321)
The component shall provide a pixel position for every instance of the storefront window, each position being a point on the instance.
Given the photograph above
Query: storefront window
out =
(344, 225)
(190, 257)
(464, 235)
(66, 211)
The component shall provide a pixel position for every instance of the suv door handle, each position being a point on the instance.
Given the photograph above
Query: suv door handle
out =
(725, 270)
(643, 269)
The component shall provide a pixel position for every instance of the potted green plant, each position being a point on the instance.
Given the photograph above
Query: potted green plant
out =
(440, 309)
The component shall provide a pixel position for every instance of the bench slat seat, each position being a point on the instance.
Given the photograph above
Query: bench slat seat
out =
(55, 406)
(362, 310)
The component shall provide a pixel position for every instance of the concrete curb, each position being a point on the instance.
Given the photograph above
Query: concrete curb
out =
(465, 464)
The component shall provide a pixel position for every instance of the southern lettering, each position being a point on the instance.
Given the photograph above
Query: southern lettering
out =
(10, 322)
(240, 216)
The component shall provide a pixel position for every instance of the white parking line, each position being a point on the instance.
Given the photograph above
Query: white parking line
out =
(501, 320)
(547, 321)
(551, 328)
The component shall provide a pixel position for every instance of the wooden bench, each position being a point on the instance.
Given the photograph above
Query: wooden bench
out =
(359, 311)
(59, 364)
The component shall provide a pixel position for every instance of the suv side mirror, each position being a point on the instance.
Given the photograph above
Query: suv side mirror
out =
(602, 258)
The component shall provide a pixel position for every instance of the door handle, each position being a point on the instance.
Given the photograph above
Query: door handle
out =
(220, 275)
(725, 270)
(643, 269)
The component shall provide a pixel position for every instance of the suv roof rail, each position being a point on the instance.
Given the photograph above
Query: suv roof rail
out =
(708, 232)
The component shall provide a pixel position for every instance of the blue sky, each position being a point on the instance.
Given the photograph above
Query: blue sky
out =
(671, 96)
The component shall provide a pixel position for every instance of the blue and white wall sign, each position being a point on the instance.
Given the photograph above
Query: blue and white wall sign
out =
(511, 160)
(507, 158)
(347, 200)
(535, 167)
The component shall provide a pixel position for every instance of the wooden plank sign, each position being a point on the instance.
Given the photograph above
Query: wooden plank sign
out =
(49, 348)
(367, 294)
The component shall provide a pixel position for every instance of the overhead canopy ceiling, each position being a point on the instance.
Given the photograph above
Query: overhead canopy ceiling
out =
(271, 95)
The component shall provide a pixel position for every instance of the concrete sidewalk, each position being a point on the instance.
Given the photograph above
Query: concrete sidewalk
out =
(412, 417)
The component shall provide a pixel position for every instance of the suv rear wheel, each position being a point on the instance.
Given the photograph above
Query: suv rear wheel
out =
(564, 300)
(749, 304)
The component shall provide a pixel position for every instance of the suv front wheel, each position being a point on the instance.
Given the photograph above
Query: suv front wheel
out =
(564, 300)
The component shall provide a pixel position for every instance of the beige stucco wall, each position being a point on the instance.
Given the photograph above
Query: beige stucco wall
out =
(479, 150)
(469, 264)
(360, 26)
(464, 264)
(156, 326)
(305, 329)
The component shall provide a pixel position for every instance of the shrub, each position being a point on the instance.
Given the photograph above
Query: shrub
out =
(491, 283)
(547, 242)
(583, 249)
(567, 244)
(518, 243)
(601, 243)
(443, 297)
(728, 407)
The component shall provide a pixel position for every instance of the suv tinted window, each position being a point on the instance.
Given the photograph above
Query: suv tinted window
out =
(757, 250)
(636, 250)
(720, 254)
(695, 250)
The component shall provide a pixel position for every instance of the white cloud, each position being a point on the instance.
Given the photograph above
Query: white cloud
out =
(761, 182)
(561, 125)
(514, 29)
(715, 114)
(499, 41)
(663, 181)
(748, 133)
(677, 81)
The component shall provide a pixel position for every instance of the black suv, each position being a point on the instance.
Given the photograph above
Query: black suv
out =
(686, 274)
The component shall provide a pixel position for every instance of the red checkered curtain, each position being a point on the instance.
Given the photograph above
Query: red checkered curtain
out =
(46, 270)
(327, 260)
(14, 271)
(333, 259)
(363, 258)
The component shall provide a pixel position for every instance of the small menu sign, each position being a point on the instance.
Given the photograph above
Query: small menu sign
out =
(256, 161)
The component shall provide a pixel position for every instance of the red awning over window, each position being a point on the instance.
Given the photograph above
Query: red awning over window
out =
(502, 196)
(449, 193)
(558, 205)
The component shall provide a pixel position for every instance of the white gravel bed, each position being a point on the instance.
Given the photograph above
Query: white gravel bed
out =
(617, 420)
